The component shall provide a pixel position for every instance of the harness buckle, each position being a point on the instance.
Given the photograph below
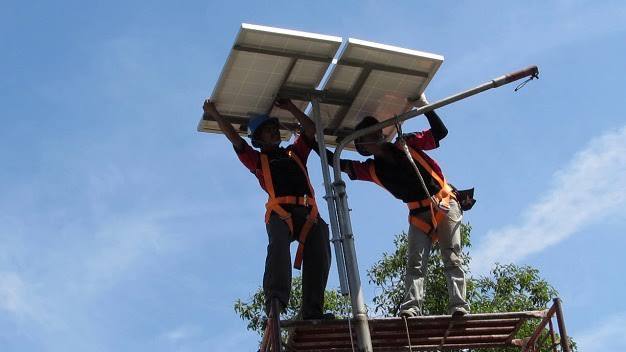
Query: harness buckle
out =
(441, 204)
(306, 200)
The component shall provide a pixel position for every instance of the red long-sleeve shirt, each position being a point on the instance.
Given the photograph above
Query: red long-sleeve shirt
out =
(287, 176)
(396, 173)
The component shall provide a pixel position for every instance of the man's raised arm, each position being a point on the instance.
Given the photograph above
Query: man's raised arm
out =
(225, 126)
(307, 124)
(437, 127)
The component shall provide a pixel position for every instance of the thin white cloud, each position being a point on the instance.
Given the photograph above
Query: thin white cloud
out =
(121, 247)
(233, 340)
(589, 189)
(610, 335)
(19, 300)
(181, 333)
(12, 294)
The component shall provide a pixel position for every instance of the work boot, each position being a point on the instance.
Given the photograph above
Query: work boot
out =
(458, 312)
(322, 316)
(410, 313)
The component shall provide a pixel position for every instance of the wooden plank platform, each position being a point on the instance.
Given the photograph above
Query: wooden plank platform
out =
(424, 333)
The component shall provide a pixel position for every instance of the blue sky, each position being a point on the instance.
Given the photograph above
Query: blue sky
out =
(122, 228)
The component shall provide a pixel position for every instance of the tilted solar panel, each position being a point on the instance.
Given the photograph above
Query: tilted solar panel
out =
(376, 80)
(366, 79)
(263, 61)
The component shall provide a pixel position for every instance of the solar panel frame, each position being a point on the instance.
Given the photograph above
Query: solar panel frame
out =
(360, 74)
(365, 78)
(261, 61)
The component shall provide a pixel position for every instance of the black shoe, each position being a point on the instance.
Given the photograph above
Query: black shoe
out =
(322, 316)
(459, 312)
(410, 313)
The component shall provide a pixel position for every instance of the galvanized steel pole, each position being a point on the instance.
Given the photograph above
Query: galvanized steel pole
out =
(359, 311)
(344, 244)
(330, 198)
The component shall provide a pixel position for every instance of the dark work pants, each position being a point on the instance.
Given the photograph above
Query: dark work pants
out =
(315, 266)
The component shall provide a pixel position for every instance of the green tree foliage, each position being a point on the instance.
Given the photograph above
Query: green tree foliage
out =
(388, 274)
(252, 311)
(507, 288)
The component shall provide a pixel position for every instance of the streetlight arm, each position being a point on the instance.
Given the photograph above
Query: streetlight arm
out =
(531, 71)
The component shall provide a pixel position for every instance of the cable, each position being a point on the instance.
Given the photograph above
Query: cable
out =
(521, 85)
(405, 148)
(350, 330)
(408, 336)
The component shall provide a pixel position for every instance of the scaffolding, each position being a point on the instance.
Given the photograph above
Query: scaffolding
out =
(427, 333)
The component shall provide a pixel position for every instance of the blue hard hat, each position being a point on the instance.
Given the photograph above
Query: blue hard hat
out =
(259, 120)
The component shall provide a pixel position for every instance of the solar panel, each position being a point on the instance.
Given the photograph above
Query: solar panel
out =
(367, 79)
(376, 80)
(263, 61)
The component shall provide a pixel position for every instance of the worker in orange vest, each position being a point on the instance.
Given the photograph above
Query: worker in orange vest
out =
(437, 217)
(291, 210)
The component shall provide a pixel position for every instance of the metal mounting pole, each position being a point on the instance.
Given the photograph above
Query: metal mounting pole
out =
(352, 267)
(330, 198)
(344, 243)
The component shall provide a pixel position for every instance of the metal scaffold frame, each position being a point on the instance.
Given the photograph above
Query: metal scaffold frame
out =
(437, 333)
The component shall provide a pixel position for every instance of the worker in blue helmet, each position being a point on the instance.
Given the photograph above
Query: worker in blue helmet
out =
(257, 123)
(291, 210)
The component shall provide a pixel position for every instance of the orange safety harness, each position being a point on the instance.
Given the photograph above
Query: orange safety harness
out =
(274, 204)
(439, 203)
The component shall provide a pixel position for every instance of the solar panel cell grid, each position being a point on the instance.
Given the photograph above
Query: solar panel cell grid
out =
(369, 78)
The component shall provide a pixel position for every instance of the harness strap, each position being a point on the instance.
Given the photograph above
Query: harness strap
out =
(310, 220)
(374, 176)
(442, 198)
(267, 176)
(436, 213)
(429, 228)
(417, 157)
(274, 205)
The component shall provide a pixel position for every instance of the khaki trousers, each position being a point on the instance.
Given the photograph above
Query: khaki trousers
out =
(419, 245)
